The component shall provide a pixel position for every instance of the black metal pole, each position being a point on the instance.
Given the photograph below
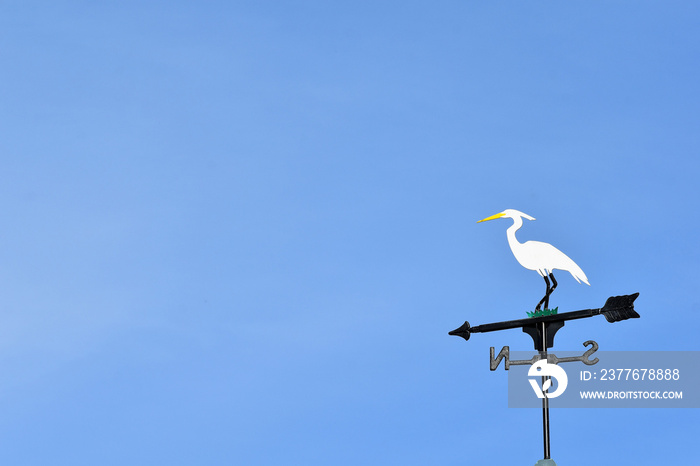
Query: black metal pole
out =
(545, 400)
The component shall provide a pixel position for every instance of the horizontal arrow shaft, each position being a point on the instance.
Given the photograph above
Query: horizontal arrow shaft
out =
(535, 320)
(616, 308)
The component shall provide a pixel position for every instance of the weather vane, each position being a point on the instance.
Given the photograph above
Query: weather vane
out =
(543, 323)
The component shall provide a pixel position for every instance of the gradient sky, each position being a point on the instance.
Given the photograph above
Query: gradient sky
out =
(239, 232)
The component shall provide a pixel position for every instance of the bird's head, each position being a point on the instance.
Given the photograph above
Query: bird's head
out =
(508, 213)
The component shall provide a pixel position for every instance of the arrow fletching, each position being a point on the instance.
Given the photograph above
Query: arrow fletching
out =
(619, 308)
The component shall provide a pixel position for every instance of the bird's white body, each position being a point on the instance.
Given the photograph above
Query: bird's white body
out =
(535, 255)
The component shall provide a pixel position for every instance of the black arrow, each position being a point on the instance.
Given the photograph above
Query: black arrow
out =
(616, 309)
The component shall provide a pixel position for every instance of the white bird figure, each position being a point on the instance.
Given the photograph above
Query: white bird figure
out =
(538, 256)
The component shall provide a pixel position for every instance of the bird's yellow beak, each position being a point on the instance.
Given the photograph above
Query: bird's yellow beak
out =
(493, 217)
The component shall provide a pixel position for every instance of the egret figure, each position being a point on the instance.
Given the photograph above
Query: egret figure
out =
(538, 256)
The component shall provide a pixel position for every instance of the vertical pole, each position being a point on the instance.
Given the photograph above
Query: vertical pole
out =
(545, 400)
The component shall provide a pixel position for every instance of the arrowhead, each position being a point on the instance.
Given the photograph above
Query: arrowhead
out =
(464, 331)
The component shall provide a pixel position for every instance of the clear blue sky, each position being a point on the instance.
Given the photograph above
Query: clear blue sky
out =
(239, 232)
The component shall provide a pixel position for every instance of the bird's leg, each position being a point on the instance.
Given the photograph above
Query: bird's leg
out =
(547, 293)
(544, 300)
(550, 289)
(554, 284)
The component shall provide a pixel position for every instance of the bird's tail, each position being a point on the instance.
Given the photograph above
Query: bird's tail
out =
(578, 274)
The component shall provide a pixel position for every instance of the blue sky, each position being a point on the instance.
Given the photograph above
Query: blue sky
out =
(239, 232)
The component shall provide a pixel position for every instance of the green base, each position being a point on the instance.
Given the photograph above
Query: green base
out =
(546, 463)
(543, 312)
